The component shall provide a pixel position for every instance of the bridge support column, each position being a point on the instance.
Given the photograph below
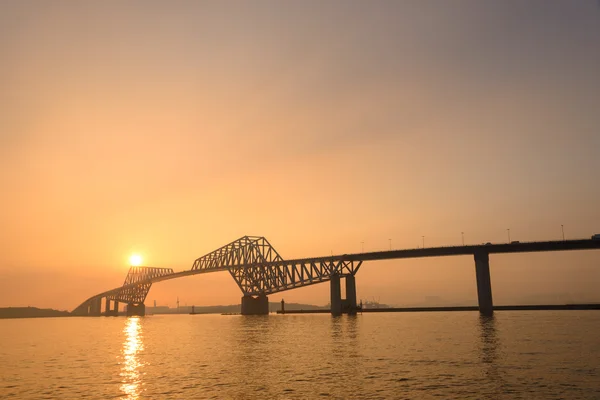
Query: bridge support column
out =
(96, 307)
(349, 303)
(484, 283)
(336, 296)
(136, 309)
(109, 311)
(255, 305)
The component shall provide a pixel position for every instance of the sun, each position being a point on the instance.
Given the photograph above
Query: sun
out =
(135, 260)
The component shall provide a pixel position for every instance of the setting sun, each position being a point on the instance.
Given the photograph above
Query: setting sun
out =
(135, 260)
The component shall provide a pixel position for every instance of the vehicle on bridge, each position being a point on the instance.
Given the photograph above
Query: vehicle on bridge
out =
(596, 236)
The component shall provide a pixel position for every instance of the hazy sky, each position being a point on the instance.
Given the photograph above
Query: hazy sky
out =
(172, 128)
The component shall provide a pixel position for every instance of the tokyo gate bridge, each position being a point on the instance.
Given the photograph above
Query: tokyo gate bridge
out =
(259, 270)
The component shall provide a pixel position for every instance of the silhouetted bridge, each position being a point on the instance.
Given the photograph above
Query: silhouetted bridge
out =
(259, 270)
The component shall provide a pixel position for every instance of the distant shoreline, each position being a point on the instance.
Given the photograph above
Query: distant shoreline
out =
(31, 312)
(34, 312)
(538, 307)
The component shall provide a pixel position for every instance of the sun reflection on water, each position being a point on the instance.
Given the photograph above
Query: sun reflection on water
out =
(131, 366)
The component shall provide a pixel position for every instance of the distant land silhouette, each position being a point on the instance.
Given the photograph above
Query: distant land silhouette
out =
(31, 312)
(229, 309)
(34, 312)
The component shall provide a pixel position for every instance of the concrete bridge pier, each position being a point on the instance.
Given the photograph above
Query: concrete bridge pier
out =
(341, 306)
(107, 307)
(134, 309)
(111, 312)
(96, 307)
(484, 283)
(255, 305)
(336, 296)
(349, 303)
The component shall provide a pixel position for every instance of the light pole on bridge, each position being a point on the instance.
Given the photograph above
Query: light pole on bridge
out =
(508, 230)
(562, 228)
(390, 244)
(423, 241)
(462, 234)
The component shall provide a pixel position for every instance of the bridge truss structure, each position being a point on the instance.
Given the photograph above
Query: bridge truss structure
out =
(257, 267)
(138, 283)
(259, 270)
(254, 264)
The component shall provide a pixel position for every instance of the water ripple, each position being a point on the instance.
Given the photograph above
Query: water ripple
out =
(373, 356)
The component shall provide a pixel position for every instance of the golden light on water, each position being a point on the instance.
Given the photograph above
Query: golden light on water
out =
(131, 365)
(135, 260)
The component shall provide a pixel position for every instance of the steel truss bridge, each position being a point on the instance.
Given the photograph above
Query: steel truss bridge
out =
(259, 271)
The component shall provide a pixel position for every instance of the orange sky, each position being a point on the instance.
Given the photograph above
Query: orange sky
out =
(170, 129)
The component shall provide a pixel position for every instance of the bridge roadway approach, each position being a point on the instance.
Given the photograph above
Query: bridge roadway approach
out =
(259, 270)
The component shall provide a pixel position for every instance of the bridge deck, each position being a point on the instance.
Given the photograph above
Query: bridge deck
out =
(522, 247)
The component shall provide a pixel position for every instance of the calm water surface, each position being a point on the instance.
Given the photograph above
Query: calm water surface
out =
(458, 355)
